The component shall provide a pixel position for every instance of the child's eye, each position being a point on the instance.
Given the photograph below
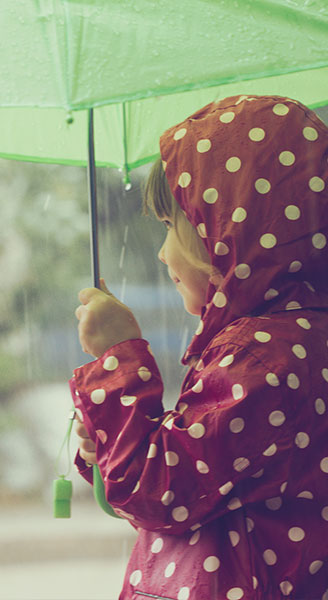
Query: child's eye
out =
(167, 223)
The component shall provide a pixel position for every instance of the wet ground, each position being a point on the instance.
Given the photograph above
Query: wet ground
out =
(42, 558)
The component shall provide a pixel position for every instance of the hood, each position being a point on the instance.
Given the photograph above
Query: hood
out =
(251, 175)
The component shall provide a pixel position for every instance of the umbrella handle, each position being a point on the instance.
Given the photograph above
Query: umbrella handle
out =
(99, 493)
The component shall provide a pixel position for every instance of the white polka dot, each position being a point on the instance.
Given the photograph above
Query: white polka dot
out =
(310, 134)
(258, 474)
(286, 587)
(256, 134)
(201, 229)
(262, 336)
(136, 488)
(324, 513)
(234, 537)
(240, 464)
(196, 430)
(196, 526)
(102, 435)
(171, 458)
(319, 241)
(184, 593)
(320, 406)
(280, 109)
(234, 504)
(221, 249)
(272, 379)
(239, 215)
(110, 363)
(180, 133)
(128, 400)
(199, 366)
(270, 294)
(233, 164)
(305, 494)
(255, 582)
(294, 266)
(268, 240)
(316, 184)
(98, 396)
(194, 538)
(309, 286)
(170, 569)
(184, 180)
(236, 425)
(219, 300)
(293, 381)
(299, 351)
(315, 566)
(210, 195)
(203, 145)
(198, 387)
(211, 563)
(273, 503)
(226, 360)
(293, 305)
(286, 158)
(182, 407)
(271, 450)
(152, 451)
(200, 328)
(296, 534)
(157, 546)
(202, 467)
(304, 323)
(135, 577)
(144, 373)
(242, 271)
(277, 418)
(262, 185)
(169, 423)
(250, 524)
(270, 557)
(226, 488)
(235, 593)
(167, 497)
(227, 117)
(283, 487)
(292, 212)
(237, 391)
(324, 374)
(324, 465)
(180, 513)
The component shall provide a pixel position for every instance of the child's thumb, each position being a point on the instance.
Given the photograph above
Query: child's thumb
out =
(103, 286)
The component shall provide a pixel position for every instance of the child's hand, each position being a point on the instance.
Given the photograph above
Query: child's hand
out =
(87, 448)
(103, 321)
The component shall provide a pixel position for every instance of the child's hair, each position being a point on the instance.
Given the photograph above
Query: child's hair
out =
(160, 200)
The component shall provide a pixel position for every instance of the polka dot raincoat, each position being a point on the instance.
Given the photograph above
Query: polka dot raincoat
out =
(229, 491)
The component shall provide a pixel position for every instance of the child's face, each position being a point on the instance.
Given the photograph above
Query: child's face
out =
(191, 282)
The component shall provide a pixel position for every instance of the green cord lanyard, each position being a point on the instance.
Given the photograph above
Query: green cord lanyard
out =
(62, 488)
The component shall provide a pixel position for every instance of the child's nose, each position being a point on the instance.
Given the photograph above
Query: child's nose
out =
(161, 255)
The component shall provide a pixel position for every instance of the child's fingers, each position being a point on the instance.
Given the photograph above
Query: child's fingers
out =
(81, 431)
(89, 457)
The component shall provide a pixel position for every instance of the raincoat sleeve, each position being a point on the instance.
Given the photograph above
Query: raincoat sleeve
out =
(228, 442)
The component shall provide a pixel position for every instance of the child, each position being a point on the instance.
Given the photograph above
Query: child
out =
(229, 491)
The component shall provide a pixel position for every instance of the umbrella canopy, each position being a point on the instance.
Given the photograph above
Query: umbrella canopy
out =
(144, 65)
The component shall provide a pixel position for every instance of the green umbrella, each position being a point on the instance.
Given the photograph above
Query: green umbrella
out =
(126, 70)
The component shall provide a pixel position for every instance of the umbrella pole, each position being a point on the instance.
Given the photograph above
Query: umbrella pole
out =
(98, 484)
(92, 190)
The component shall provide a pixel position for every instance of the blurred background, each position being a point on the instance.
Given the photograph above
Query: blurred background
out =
(44, 262)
